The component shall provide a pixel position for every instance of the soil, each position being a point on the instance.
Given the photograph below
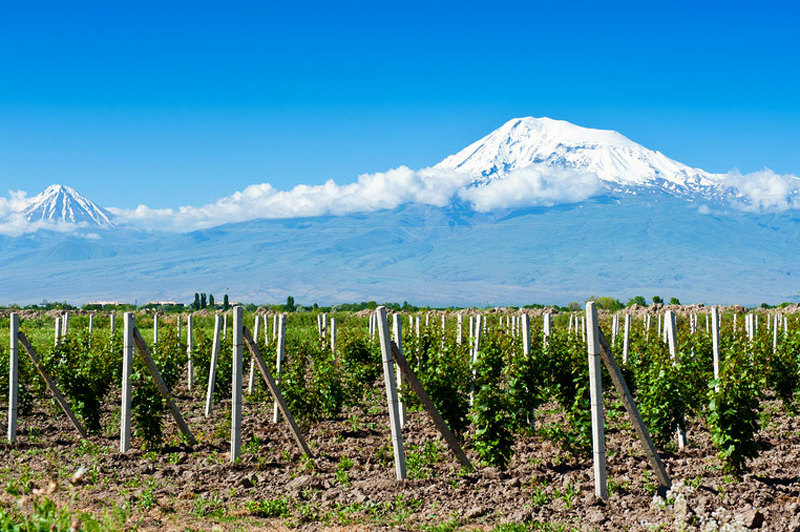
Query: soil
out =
(351, 483)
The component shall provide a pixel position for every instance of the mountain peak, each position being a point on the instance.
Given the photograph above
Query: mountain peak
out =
(621, 164)
(62, 203)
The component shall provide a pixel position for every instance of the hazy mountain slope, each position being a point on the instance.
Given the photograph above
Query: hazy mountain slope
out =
(440, 256)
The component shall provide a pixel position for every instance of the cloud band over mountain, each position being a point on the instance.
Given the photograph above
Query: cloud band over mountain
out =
(371, 192)
(526, 162)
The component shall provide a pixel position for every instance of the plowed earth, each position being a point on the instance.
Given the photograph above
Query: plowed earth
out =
(350, 483)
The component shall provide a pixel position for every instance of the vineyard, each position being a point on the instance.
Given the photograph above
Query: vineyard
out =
(171, 422)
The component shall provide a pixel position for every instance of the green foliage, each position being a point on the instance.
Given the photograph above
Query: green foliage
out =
(493, 408)
(566, 363)
(148, 407)
(607, 303)
(279, 507)
(674, 301)
(657, 300)
(783, 371)
(734, 409)
(661, 391)
(445, 375)
(85, 367)
(636, 300)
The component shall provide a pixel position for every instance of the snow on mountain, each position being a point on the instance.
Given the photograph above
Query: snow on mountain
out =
(62, 203)
(621, 164)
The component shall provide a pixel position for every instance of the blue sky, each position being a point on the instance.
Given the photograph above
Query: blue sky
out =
(175, 103)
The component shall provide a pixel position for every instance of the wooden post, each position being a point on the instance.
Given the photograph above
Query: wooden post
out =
(127, 369)
(111, 319)
(476, 347)
(775, 327)
(546, 328)
(428, 405)
(715, 339)
(583, 329)
(189, 340)
(179, 323)
(397, 333)
(459, 328)
(333, 336)
(633, 412)
(51, 385)
(596, 397)
(526, 335)
(276, 392)
(225, 325)
(65, 324)
(13, 377)
(58, 331)
(416, 325)
(91, 323)
(155, 332)
(626, 339)
(251, 379)
(266, 330)
(279, 350)
(236, 384)
(614, 319)
(324, 325)
(391, 393)
(212, 370)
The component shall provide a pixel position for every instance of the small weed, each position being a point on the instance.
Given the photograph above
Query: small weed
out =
(341, 471)
(540, 496)
(615, 486)
(208, 507)
(269, 508)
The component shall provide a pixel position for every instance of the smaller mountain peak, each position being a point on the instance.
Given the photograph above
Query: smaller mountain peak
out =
(62, 203)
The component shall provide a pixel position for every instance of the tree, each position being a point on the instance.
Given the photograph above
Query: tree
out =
(674, 301)
(637, 300)
(196, 304)
(210, 300)
(289, 306)
(572, 307)
(657, 300)
(608, 303)
(202, 300)
(226, 303)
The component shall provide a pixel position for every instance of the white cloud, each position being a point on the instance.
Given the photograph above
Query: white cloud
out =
(764, 191)
(537, 185)
(371, 192)
(530, 186)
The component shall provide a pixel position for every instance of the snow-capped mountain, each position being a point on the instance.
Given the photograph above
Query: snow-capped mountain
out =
(621, 164)
(62, 203)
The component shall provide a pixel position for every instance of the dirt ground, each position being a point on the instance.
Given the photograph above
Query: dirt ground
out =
(350, 483)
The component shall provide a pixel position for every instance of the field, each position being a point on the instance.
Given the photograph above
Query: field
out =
(523, 420)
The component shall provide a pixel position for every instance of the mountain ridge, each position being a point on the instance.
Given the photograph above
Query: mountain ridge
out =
(622, 165)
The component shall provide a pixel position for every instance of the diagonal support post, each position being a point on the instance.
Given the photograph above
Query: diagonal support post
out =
(276, 393)
(633, 412)
(144, 352)
(428, 405)
(51, 384)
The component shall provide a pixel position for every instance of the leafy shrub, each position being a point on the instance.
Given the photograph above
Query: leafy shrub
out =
(734, 408)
